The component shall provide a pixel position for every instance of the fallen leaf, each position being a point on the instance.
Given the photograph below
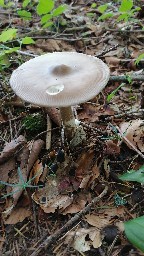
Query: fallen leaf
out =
(134, 132)
(49, 197)
(97, 242)
(11, 147)
(96, 221)
(18, 214)
(77, 205)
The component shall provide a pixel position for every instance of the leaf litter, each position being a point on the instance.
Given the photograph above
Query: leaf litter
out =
(55, 190)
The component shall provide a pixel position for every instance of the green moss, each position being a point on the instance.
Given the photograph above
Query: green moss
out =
(34, 123)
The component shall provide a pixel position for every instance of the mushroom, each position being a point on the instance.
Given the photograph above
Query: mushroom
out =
(61, 79)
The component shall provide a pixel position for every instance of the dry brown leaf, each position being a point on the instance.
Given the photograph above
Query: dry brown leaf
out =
(49, 45)
(84, 163)
(37, 171)
(97, 242)
(49, 198)
(18, 215)
(76, 239)
(112, 61)
(6, 168)
(77, 205)
(111, 148)
(134, 132)
(60, 201)
(34, 152)
(96, 221)
(85, 181)
(11, 147)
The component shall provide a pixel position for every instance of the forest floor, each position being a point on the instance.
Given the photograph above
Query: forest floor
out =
(80, 205)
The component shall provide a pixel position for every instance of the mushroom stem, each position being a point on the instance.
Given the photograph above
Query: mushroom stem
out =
(68, 122)
(73, 131)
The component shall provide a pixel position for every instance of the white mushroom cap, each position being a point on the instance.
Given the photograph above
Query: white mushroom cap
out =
(60, 79)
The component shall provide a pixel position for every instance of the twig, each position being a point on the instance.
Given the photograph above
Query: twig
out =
(26, 53)
(49, 240)
(124, 78)
(48, 134)
(125, 30)
(138, 112)
(107, 50)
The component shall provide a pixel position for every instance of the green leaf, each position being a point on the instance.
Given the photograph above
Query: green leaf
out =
(139, 58)
(48, 24)
(46, 18)
(59, 10)
(93, 5)
(102, 8)
(90, 14)
(126, 5)
(11, 50)
(45, 6)
(28, 40)
(128, 77)
(10, 4)
(8, 34)
(4, 60)
(133, 175)
(2, 3)
(123, 16)
(25, 3)
(106, 16)
(24, 14)
(112, 94)
(134, 230)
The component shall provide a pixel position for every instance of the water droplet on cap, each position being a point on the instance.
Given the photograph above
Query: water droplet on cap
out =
(55, 89)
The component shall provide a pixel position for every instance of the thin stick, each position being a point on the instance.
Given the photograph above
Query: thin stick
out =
(49, 240)
(124, 78)
(48, 134)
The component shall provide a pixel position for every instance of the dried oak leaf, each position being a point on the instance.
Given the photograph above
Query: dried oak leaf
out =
(134, 132)
(11, 148)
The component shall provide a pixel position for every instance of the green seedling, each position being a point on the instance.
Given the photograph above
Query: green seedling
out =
(134, 229)
(139, 58)
(118, 200)
(113, 93)
(133, 175)
(23, 185)
(116, 135)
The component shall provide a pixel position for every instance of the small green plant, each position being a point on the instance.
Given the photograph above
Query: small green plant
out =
(139, 58)
(104, 13)
(134, 229)
(48, 14)
(127, 10)
(118, 200)
(23, 185)
(113, 93)
(45, 9)
(133, 175)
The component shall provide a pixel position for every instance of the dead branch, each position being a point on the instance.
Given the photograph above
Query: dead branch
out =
(50, 239)
(123, 78)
